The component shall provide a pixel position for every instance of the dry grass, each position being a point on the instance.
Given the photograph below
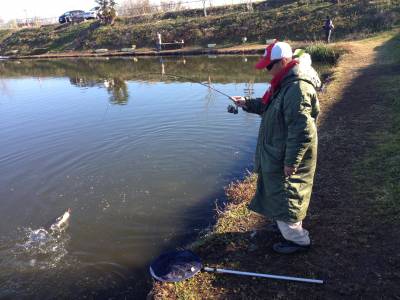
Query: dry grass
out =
(236, 216)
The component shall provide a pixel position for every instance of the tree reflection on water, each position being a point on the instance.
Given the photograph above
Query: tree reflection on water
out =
(115, 86)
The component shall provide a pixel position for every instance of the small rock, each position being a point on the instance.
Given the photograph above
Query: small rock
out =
(253, 247)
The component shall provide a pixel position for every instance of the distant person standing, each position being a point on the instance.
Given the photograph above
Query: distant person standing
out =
(158, 42)
(328, 27)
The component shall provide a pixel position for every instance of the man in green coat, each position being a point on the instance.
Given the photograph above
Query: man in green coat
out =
(286, 152)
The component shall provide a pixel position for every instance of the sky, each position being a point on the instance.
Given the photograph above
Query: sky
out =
(13, 9)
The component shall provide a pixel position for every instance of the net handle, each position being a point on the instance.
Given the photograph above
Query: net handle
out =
(289, 278)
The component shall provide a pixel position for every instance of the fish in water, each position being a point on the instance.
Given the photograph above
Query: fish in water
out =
(61, 222)
(42, 237)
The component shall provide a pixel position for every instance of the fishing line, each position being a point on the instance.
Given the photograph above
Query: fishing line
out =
(192, 80)
(233, 109)
(106, 111)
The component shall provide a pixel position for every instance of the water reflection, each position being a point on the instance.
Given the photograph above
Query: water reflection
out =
(113, 74)
(116, 87)
(4, 88)
(118, 90)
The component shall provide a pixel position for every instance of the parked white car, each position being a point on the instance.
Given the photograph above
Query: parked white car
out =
(92, 14)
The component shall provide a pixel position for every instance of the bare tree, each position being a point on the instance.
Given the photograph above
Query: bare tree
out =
(137, 7)
(12, 24)
(204, 8)
(107, 12)
(166, 6)
(249, 5)
(179, 5)
(171, 6)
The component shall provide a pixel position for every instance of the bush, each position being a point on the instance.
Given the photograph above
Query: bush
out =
(323, 53)
(38, 51)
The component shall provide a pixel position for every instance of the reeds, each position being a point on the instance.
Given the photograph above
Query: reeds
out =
(322, 53)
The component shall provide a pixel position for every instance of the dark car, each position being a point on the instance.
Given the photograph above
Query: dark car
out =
(72, 16)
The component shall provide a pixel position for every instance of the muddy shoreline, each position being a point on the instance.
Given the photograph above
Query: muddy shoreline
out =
(112, 53)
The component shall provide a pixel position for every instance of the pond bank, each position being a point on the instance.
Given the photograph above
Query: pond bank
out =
(353, 224)
(253, 49)
(320, 52)
(221, 50)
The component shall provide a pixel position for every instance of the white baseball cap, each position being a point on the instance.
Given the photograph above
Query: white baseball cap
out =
(274, 51)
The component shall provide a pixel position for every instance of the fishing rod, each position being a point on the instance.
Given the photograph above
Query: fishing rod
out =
(231, 108)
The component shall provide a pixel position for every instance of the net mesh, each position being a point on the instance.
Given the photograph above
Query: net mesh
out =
(175, 266)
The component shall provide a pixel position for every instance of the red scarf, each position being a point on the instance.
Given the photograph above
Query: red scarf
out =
(276, 81)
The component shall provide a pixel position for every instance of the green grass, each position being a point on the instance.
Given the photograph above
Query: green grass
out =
(5, 33)
(383, 162)
(378, 174)
(322, 53)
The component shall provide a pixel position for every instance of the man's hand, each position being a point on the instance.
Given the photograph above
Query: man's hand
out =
(239, 100)
(289, 171)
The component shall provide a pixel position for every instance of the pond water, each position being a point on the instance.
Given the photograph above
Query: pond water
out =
(139, 156)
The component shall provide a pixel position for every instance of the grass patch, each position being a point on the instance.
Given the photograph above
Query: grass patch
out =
(383, 162)
(236, 215)
(322, 53)
(5, 33)
(378, 174)
(191, 289)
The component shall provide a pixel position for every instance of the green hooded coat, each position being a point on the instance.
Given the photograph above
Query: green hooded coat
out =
(287, 137)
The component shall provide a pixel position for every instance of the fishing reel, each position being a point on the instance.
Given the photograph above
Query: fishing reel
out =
(233, 109)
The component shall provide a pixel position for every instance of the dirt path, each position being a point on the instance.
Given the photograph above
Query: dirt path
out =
(354, 250)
